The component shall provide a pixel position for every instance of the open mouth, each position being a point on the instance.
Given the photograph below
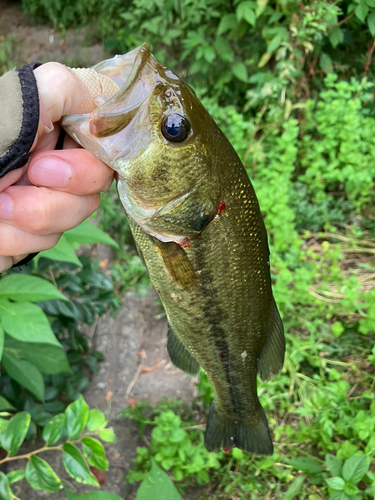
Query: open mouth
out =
(117, 112)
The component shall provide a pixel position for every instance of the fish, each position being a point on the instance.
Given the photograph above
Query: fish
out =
(199, 231)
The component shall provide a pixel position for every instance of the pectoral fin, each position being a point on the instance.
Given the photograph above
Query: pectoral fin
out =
(180, 356)
(271, 358)
(176, 263)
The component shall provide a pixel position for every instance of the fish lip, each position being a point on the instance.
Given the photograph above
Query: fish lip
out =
(118, 111)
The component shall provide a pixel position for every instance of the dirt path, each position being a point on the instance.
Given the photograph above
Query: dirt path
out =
(40, 43)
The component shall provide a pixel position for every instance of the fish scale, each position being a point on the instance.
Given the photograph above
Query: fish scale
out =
(198, 228)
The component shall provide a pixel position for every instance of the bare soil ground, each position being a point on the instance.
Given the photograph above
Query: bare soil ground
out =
(39, 43)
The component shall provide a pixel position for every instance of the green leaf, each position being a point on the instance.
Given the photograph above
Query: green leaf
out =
(261, 6)
(2, 336)
(276, 42)
(371, 23)
(93, 495)
(76, 465)
(3, 424)
(355, 468)
(41, 476)
(325, 63)
(96, 420)
(94, 450)
(26, 288)
(227, 22)
(294, 488)
(264, 59)
(240, 71)
(25, 374)
(76, 416)
(350, 489)
(88, 233)
(5, 491)
(157, 481)
(237, 454)
(209, 54)
(62, 252)
(15, 475)
(49, 359)
(53, 430)
(333, 464)
(245, 10)
(14, 435)
(307, 464)
(26, 322)
(340, 495)
(107, 435)
(5, 405)
(336, 483)
(361, 11)
(336, 37)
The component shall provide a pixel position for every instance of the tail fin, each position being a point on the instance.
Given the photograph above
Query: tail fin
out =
(252, 436)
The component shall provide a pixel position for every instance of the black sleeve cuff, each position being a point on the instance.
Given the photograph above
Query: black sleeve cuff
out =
(18, 154)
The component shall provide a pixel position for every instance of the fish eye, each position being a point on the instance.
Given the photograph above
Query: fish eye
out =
(175, 127)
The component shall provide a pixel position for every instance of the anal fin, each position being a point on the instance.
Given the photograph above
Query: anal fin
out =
(271, 358)
(180, 356)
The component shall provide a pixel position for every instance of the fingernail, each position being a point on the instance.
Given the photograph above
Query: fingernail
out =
(51, 172)
(6, 207)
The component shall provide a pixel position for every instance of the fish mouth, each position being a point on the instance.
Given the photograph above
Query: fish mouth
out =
(117, 112)
(118, 129)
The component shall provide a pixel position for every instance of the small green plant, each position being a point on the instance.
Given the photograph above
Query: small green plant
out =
(78, 428)
(175, 445)
(346, 476)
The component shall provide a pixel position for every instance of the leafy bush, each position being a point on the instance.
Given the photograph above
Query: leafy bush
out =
(61, 13)
(76, 426)
(277, 47)
(44, 356)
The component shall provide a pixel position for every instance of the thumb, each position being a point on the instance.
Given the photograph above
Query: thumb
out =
(65, 91)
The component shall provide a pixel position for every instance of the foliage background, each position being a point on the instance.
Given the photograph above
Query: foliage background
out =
(291, 85)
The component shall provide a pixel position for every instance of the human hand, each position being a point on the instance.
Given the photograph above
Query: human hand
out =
(57, 190)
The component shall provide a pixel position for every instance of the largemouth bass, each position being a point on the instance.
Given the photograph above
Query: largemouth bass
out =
(198, 228)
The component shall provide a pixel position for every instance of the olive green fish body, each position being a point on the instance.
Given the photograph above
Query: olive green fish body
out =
(226, 311)
(197, 224)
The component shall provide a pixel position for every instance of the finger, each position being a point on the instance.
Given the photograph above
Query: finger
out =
(15, 240)
(48, 142)
(12, 177)
(42, 211)
(7, 262)
(76, 171)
